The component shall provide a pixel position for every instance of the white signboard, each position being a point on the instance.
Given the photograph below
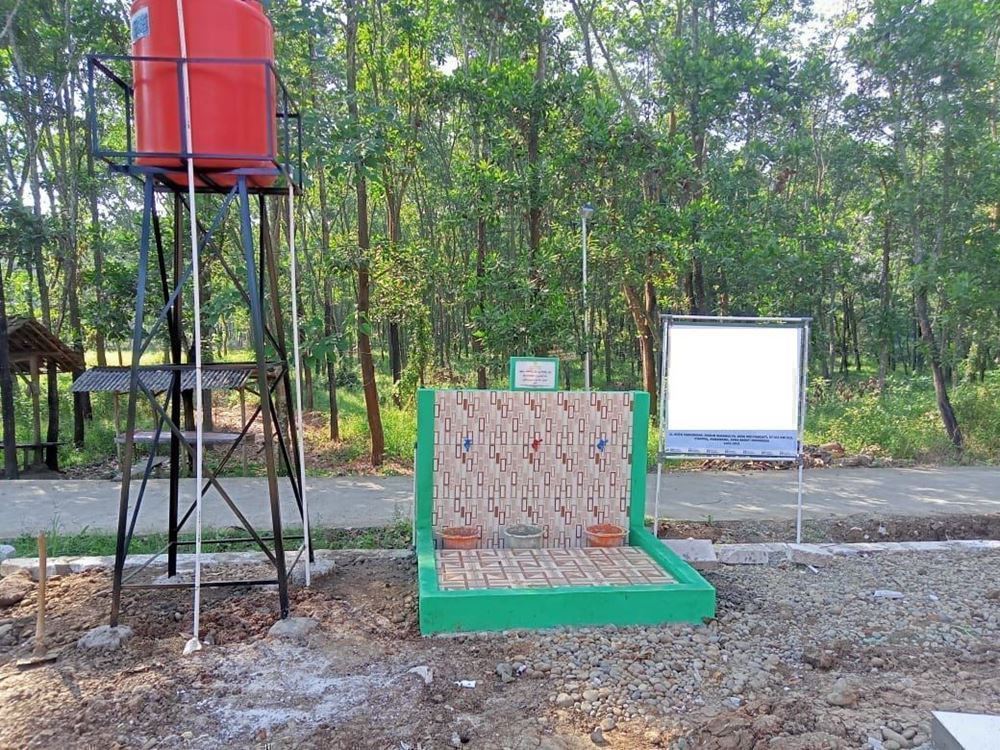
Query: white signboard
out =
(534, 374)
(733, 390)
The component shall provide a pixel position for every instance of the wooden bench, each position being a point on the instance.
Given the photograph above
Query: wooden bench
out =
(37, 448)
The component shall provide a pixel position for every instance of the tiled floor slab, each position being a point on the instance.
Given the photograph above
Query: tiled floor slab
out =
(546, 568)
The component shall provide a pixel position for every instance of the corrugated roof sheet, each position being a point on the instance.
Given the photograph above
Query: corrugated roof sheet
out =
(116, 379)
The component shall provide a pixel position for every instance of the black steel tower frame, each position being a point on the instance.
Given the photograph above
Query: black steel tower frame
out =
(244, 193)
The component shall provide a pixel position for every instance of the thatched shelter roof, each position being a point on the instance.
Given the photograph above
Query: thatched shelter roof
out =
(28, 339)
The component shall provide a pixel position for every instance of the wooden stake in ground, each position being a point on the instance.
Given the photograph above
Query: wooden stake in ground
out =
(43, 573)
(40, 654)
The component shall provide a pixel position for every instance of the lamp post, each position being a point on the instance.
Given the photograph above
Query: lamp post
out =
(586, 211)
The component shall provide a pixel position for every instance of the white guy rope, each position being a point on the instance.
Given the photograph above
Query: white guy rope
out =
(298, 373)
(194, 644)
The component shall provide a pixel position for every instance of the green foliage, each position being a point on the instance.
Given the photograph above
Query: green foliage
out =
(903, 422)
(737, 166)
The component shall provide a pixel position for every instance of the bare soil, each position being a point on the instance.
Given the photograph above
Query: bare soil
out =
(347, 688)
(785, 632)
(856, 528)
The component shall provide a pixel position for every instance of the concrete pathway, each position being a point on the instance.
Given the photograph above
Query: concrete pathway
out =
(70, 506)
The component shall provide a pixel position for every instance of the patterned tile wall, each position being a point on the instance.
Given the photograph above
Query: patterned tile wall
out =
(560, 460)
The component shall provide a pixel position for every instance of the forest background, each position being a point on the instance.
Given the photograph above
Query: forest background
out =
(743, 157)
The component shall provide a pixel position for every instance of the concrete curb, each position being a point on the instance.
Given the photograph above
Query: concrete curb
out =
(702, 555)
(775, 553)
(185, 562)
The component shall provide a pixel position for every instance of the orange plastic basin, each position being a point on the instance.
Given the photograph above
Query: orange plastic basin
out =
(605, 535)
(460, 537)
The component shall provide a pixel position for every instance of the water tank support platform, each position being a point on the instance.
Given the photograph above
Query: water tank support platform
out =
(258, 287)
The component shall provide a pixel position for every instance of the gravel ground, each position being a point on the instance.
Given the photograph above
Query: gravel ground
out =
(799, 659)
(795, 659)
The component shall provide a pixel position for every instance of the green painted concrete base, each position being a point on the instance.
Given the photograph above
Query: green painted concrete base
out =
(691, 599)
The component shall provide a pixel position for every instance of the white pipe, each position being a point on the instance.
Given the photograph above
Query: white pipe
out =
(798, 509)
(194, 644)
(662, 411)
(803, 400)
(298, 374)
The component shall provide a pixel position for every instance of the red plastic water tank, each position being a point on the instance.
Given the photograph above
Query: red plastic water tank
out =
(232, 103)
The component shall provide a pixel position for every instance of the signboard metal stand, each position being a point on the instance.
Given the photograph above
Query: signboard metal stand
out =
(666, 451)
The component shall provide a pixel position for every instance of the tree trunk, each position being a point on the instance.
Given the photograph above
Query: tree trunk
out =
(329, 326)
(393, 201)
(6, 392)
(70, 197)
(535, 117)
(647, 338)
(308, 402)
(937, 372)
(97, 250)
(885, 306)
(477, 344)
(921, 305)
(52, 405)
(364, 279)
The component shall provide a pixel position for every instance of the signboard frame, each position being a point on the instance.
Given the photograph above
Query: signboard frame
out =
(553, 361)
(803, 324)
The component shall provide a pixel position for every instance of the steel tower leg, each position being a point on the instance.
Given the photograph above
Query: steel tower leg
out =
(292, 462)
(133, 392)
(175, 397)
(255, 286)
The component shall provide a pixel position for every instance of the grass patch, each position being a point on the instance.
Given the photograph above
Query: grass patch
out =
(85, 543)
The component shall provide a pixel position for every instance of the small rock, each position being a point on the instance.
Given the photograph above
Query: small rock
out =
(564, 700)
(187, 735)
(843, 694)
(456, 739)
(424, 672)
(505, 672)
(733, 702)
(820, 658)
(13, 589)
(6, 551)
(597, 737)
(608, 724)
(894, 737)
(887, 594)
(104, 638)
(835, 449)
(293, 628)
